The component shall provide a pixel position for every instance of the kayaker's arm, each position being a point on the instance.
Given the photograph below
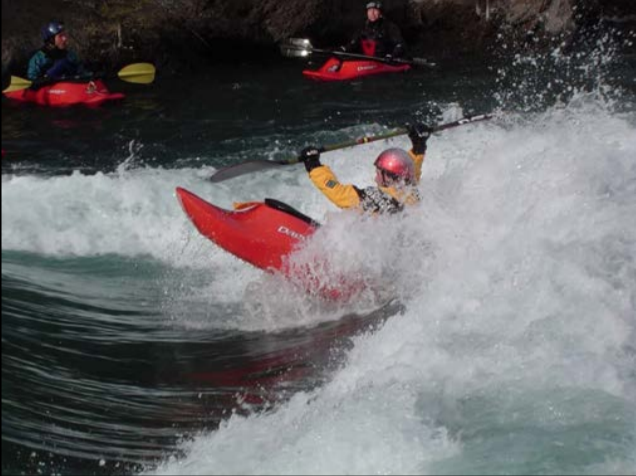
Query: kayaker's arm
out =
(418, 160)
(343, 196)
(38, 64)
(419, 134)
(395, 36)
(78, 65)
(353, 46)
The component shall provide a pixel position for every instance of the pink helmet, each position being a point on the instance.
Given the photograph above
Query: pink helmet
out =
(396, 165)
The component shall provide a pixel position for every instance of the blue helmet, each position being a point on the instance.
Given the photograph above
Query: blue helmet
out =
(51, 29)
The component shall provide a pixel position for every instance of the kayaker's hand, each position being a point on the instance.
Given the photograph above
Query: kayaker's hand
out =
(6, 80)
(419, 134)
(398, 51)
(388, 57)
(310, 156)
(40, 82)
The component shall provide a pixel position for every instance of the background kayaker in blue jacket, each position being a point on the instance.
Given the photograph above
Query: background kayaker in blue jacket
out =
(54, 60)
(379, 37)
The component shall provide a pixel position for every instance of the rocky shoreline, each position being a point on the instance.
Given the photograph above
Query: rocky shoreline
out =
(178, 34)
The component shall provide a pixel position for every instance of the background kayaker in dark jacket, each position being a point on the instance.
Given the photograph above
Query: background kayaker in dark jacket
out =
(398, 173)
(54, 60)
(379, 37)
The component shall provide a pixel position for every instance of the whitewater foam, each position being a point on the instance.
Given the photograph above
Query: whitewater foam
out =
(519, 326)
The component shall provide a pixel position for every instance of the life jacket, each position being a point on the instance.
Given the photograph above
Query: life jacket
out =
(54, 54)
(368, 47)
(59, 63)
(380, 38)
(387, 199)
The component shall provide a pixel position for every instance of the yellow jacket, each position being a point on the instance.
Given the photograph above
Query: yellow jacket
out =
(370, 199)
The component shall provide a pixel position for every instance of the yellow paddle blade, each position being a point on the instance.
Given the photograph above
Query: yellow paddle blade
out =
(140, 73)
(17, 84)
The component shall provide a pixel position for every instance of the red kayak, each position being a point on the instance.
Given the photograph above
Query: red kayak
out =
(338, 70)
(264, 234)
(261, 233)
(67, 94)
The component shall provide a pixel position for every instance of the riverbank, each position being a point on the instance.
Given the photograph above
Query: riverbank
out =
(183, 34)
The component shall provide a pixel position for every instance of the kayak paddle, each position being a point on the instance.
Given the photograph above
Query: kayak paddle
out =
(140, 73)
(232, 171)
(302, 48)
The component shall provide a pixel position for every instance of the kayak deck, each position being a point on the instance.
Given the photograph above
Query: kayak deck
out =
(338, 70)
(261, 233)
(66, 93)
(266, 234)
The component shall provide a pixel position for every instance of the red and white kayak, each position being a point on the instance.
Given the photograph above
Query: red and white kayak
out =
(339, 70)
(264, 234)
(67, 94)
(261, 233)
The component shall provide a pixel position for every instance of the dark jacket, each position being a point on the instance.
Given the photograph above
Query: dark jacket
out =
(55, 64)
(382, 36)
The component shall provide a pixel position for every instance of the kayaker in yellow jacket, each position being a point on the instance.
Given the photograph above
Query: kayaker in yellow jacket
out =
(398, 173)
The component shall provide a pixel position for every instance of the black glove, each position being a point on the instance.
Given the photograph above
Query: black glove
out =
(6, 79)
(310, 156)
(399, 50)
(40, 82)
(388, 57)
(419, 134)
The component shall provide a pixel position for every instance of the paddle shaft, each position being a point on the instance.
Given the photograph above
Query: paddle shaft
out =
(399, 132)
(362, 140)
(302, 47)
(143, 73)
(236, 170)
(122, 74)
(414, 61)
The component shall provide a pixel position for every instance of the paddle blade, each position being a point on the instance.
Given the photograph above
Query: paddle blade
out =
(232, 171)
(301, 43)
(17, 84)
(294, 52)
(296, 48)
(140, 73)
(422, 62)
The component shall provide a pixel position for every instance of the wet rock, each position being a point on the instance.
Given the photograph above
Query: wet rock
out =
(187, 33)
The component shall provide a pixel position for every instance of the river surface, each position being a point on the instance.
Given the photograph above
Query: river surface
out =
(504, 341)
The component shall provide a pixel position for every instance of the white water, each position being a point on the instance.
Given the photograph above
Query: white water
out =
(517, 349)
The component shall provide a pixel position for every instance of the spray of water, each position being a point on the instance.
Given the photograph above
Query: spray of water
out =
(516, 347)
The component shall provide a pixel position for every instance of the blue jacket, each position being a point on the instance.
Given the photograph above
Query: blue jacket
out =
(55, 64)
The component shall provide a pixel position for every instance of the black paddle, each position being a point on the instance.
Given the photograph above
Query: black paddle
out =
(302, 48)
(244, 168)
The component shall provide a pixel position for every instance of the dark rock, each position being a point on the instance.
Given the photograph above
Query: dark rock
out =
(178, 34)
